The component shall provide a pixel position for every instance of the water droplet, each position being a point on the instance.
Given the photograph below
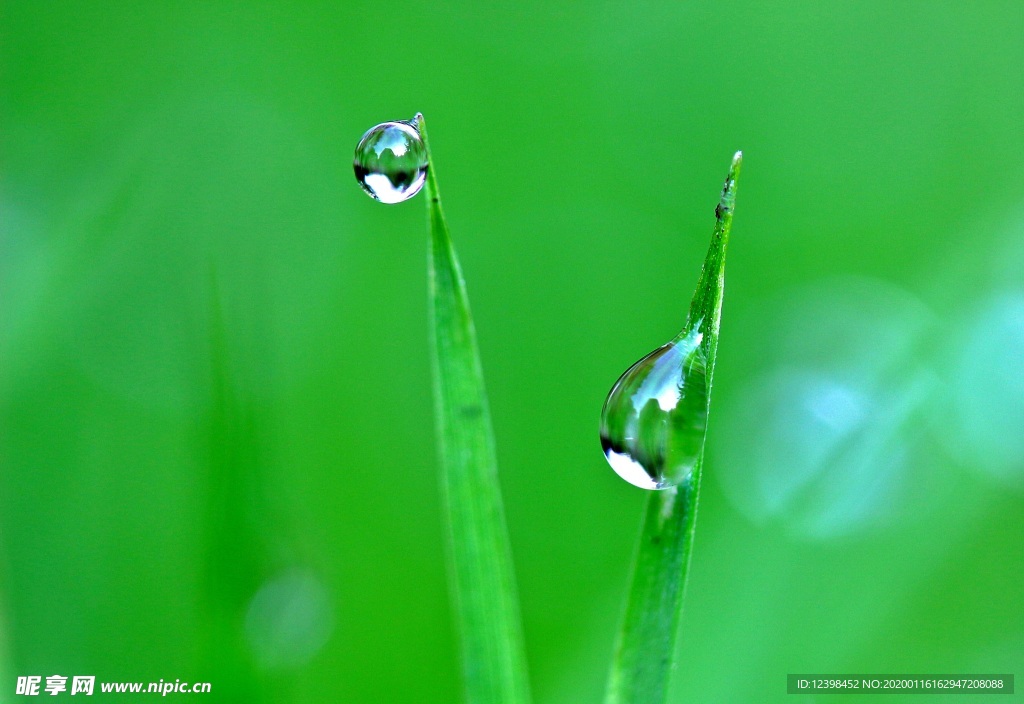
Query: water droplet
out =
(653, 421)
(391, 161)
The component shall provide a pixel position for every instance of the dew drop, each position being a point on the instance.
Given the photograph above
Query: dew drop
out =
(653, 421)
(391, 162)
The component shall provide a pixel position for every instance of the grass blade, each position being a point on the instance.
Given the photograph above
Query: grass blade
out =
(482, 581)
(646, 641)
(234, 559)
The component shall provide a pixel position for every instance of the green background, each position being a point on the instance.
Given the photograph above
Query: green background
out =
(216, 438)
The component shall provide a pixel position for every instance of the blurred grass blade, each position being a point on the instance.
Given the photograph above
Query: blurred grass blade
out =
(646, 641)
(239, 524)
(481, 575)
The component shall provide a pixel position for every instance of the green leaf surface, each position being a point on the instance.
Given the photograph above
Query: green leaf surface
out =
(480, 566)
(646, 641)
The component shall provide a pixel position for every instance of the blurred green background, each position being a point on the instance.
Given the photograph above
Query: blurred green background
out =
(216, 446)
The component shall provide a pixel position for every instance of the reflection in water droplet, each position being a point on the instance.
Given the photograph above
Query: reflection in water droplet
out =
(391, 162)
(653, 421)
(289, 620)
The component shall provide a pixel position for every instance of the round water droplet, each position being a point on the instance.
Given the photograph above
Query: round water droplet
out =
(391, 162)
(653, 421)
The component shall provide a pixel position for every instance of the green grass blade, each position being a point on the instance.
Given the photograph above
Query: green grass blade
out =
(234, 559)
(646, 641)
(482, 581)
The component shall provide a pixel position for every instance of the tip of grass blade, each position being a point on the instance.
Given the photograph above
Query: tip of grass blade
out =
(644, 649)
(707, 298)
(728, 198)
(430, 188)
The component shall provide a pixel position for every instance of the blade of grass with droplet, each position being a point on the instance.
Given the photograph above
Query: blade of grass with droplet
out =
(480, 564)
(645, 646)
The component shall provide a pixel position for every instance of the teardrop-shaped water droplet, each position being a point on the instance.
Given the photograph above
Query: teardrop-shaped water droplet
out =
(653, 421)
(391, 162)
